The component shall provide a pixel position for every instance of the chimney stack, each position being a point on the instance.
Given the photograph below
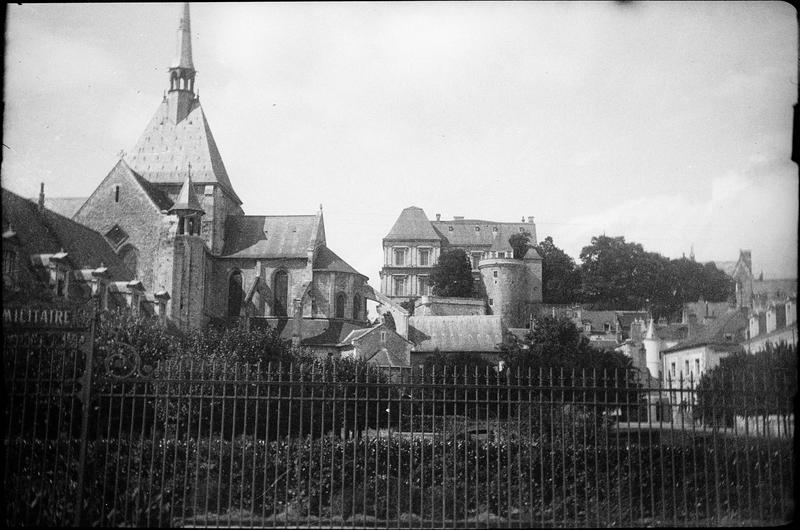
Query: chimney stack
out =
(530, 219)
(41, 198)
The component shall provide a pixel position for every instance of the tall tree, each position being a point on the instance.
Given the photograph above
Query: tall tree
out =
(452, 275)
(608, 268)
(561, 278)
(520, 243)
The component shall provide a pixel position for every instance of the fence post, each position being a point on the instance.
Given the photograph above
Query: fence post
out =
(85, 397)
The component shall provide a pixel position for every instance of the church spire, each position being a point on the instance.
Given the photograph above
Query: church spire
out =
(182, 72)
(183, 59)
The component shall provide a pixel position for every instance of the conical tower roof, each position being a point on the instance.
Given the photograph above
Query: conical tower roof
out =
(187, 200)
(651, 331)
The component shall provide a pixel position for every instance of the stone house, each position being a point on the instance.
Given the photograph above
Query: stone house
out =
(49, 258)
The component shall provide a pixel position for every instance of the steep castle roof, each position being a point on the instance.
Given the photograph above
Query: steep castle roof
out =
(412, 224)
(476, 232)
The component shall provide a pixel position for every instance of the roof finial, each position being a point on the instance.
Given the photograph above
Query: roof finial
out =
(320, 207)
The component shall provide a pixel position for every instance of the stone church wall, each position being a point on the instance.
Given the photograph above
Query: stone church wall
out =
(135, 213)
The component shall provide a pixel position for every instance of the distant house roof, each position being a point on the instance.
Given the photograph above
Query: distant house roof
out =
(598, 319)
(476, 232)
(165, 150)
(327, 260)
(270, 236)
(412, 224)
(470, 333)
(626, 318)
(775, 288)
(66, 206)
(314, 332)
(386, 358)
(357, 334)
(727, 331)
(47, 232)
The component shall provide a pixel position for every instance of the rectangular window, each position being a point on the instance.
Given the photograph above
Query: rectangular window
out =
(383, 336)
(424, 288)
(399, 286)
(10, 266)
(491, 301)
(399, 256)
(697, 367)
(686, 367)
(424, 257)
(501, 254)
(494, 274)
(672, 369)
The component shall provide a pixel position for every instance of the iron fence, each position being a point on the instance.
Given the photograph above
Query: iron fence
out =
(338, 444)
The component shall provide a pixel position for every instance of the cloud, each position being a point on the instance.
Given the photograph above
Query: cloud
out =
(756, 208)
(40, 62)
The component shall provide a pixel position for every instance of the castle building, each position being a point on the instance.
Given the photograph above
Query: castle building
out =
(510, 288)
(170, 212)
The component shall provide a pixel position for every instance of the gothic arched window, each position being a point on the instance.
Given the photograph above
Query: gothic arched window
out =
(235, 294)
(356, 307)
(339, 306)
(281, 290)
(130, 258)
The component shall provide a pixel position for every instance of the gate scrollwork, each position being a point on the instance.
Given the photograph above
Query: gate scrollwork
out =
(125, 362)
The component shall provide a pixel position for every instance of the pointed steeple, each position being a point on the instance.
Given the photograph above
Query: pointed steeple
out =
(181, 74)
(183, 57)
(187, 200)
(651, 331)
(187, 208)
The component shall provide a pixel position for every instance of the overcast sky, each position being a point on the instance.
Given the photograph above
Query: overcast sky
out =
(668, 123)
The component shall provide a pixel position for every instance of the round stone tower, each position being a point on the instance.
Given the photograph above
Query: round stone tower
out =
(508, 288)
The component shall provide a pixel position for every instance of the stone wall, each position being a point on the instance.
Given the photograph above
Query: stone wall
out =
(136, 214)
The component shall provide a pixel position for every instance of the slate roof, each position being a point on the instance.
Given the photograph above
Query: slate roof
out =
(733, 322)
(165, 149)
(464, 233)
(412, 224)
(626, 318)
(66, 206)
(270, 236)
(48, 232)
(464, 333)
(186, 199)
(327, 260)
(771, 288)
(599, 318)
(388, 359)
(314, 332)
